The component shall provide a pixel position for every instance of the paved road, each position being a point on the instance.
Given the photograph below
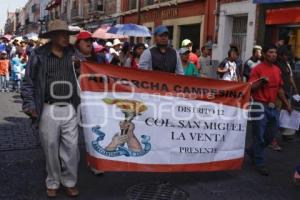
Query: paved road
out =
(22, 170)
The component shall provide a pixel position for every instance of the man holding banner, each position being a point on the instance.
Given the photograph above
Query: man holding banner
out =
(266, 87)
(165, 123)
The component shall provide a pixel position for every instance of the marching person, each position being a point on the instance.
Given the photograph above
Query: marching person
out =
(134, 60)
(108, 56)
(17, 66)
(193, 58)
(100, 53)
(205, 63)
(228, 68)
(188, 67)
(252, 62)
(84, 47)
(161, 57)
(266, 87)
(4, 72)
(115, 52)
(125, 53)
(50, 98)
(289, 85)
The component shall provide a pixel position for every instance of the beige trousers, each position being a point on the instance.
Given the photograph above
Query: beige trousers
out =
(59, 137)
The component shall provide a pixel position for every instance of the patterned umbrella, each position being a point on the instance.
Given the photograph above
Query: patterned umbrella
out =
(101, 33)
(133, 30)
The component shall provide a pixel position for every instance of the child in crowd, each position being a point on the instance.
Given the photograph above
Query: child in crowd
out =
(4, 72)
(17, 67)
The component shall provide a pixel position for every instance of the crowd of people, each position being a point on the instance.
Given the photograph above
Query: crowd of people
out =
(270, 75)
(14, 55)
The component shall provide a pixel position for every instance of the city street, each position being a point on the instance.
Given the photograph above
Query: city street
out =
(22, 170)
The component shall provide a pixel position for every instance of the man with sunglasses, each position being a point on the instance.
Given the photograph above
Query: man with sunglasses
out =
(161, 57)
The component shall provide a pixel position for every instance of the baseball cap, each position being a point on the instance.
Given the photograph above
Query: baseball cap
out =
(84, 35)
(257, 47)
(186, 42)
(160, 30)
(183, 51)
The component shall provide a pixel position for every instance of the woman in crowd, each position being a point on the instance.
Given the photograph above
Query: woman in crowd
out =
(125, 53)
(188, 67)
(134, 60)
(84, 47)
(101, 53)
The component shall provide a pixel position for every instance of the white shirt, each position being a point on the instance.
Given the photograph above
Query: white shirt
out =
(231, 74)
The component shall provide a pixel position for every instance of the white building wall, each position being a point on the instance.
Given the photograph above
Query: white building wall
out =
(246, 8)
(43, 12)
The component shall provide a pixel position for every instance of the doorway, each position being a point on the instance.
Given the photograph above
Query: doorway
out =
(191, 32)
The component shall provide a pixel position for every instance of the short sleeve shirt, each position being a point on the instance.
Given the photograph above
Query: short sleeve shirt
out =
(193, 58)
(269, 92)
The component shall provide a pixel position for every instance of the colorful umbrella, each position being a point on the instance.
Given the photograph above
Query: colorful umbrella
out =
(6, 37)
(101, 33)
(132, 30)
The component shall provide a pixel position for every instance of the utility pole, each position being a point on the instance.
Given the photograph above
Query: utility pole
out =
(139, 11)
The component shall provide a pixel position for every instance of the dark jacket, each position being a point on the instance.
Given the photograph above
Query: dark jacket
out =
(33, 85)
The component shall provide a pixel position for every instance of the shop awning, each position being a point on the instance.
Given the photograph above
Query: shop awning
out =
(283, 16)
(52, 4)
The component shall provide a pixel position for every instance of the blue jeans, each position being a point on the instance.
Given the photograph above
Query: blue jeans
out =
(3, 82)
(17, 85)
(264, 131)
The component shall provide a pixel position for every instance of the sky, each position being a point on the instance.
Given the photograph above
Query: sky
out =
(10, 5)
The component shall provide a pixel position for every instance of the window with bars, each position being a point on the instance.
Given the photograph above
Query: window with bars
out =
(239, 34)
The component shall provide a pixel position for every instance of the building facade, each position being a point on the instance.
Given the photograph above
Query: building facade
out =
(280, 21)
(87, 14)
(185, 19)
(10, 24)
(32, 16)
(102, 12)
(236, 25)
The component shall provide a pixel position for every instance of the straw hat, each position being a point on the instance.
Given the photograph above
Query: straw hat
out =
(57, 26)
(117, 42)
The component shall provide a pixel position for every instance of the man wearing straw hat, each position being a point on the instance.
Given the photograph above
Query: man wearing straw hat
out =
(50, 98)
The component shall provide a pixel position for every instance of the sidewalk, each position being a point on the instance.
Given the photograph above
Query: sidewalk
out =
(22, 170)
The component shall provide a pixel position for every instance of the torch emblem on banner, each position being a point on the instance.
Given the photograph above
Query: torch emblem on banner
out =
(124, 143)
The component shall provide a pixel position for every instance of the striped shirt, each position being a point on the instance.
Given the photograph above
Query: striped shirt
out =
(60, 78)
